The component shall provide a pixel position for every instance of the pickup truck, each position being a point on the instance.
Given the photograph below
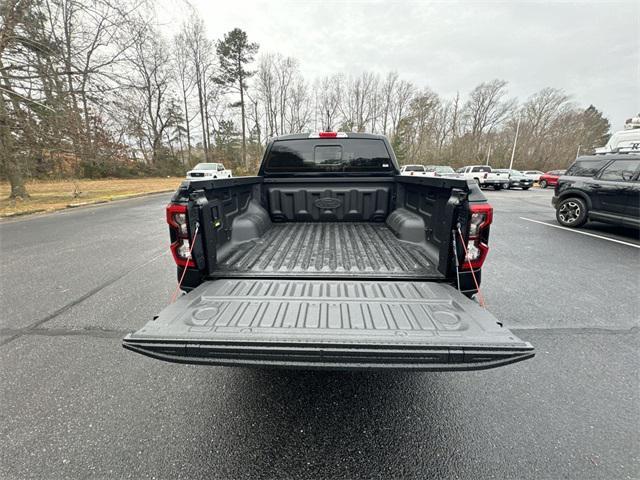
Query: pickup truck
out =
(485, 176)
(412, 170)
(329, 259)
(211, 170)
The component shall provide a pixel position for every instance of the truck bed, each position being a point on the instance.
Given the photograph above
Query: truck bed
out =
(338, 249)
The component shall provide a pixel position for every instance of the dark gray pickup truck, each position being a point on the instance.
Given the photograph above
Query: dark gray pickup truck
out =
(329, 259)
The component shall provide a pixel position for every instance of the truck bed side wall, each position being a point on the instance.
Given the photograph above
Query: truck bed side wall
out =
(439, 204)
(220, 207)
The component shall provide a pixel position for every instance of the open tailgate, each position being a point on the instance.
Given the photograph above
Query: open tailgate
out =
(329, 324)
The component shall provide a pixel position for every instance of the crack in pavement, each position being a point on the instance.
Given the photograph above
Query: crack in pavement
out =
(577, 330)
(97, 332)
(29, 328)
(67, 332)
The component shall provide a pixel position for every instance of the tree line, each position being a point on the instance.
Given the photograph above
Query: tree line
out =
(95, 88)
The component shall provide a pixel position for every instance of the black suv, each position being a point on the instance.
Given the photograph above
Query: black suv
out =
(600, 187)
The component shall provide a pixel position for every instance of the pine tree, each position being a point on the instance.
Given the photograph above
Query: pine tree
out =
(234, 52)
(595, 128)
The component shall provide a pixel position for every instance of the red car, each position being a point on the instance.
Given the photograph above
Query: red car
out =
(550, 179)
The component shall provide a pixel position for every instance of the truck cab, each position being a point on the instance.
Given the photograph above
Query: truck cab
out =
(330, 259)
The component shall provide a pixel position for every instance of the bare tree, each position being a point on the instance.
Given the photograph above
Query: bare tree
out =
(355, 105)
(387, 93)
(403, 94)
(327, 93)
(486, 109)
(184, 77)
(267, 86)
(13, 121)
(421, 126)
(93, 37)
(299, 106)
(152, 64)
(200, 50)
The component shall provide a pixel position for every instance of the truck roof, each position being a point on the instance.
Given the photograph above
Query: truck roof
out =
(301, 136)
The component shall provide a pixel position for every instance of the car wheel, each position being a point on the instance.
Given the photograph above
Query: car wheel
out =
(571, 212)
(477, 180)
(497, 187)
(543, 184)
(506, 186)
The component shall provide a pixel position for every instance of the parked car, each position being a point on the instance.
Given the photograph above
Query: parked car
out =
(439, 171)
(412, 170)
(329, 259)
(550, 179)
(517, 179)
(605, 188)
(484, 176)
(533, 175)
(208, 171)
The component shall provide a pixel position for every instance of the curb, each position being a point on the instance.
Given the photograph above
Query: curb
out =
(114, 198)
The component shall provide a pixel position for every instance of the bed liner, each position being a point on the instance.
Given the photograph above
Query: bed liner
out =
(365, 250)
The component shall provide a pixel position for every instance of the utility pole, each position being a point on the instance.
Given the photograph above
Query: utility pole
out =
(488, 154)
(578, 152)
(515, 142)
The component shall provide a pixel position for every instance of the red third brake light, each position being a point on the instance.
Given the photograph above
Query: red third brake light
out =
(178, 223)
(328, 135)
(478, 234)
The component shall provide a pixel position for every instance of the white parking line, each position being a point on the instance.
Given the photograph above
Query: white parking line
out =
(582, 233)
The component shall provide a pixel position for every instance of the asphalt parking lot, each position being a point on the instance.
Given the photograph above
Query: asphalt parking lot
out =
(74, 404)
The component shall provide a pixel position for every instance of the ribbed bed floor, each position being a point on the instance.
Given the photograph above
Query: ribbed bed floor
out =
(366, 250)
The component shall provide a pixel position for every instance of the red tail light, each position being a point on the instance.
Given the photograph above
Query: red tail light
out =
(178, 221)
(486, 174)
(477, 248)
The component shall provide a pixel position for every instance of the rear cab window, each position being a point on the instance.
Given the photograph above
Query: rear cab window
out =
(414, 168)
(481, 169)
(314, 155)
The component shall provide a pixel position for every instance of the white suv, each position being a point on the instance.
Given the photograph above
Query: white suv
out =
(208, 171)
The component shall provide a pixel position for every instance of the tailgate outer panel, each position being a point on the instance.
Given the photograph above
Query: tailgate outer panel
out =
(330, 324)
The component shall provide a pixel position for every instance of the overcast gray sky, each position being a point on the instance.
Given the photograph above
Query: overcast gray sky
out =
(589, 49)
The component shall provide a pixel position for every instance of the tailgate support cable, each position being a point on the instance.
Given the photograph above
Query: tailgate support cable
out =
(184, 272)
(455, 255)
(473, 274)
